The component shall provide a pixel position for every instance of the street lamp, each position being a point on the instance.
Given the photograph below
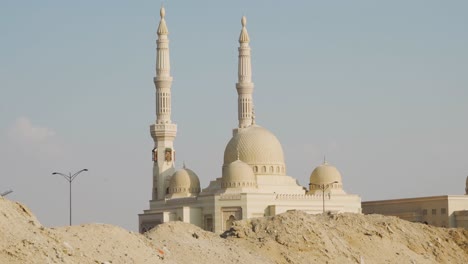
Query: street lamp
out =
(323, 187)
(5, 193)
(70, 178)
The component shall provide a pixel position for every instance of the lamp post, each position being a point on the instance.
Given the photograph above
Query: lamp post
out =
(323, 187)
(5, 193)
(70, 179)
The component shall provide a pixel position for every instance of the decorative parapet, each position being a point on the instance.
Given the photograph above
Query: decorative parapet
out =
(224, 197)
(163, 130)
(299, 196)
(182, 200)
(164, 127)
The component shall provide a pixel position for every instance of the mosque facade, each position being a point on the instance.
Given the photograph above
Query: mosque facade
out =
(254, 180)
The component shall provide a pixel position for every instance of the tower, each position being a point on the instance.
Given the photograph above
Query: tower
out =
(163, 131)
(466, 186)
(244, 86)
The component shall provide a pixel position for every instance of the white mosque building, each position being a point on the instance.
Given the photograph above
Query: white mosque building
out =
(254, 180)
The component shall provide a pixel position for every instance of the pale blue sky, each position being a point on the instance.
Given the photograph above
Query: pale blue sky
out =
(380, 87)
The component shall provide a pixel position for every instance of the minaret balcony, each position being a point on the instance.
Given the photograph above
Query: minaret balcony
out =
(163, 130)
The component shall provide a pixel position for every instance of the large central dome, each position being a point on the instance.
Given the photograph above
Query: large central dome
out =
(257, 147)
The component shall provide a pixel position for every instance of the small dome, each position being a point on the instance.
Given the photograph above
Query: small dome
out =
(238, 174)
(257, 147)
(325, 175)
(184, 181)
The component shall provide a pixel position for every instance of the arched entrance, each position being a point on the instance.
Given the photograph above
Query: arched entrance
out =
(229, 222)
(229, 215)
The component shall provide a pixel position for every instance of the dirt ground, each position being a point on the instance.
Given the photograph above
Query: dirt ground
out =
(292, 237)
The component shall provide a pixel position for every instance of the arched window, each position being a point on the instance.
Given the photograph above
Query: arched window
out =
(155, 154)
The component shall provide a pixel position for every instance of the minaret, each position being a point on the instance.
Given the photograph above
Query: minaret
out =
(466, 186)
(163, 131)
(244, 85)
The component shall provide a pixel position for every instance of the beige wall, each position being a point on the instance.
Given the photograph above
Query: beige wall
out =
(216, 209)
(461, 218)
(434, 210)
(457, 203)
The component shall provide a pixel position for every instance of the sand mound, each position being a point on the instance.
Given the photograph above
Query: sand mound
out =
(293, 237)
(296, 237)
(24, 240)
(186, 243)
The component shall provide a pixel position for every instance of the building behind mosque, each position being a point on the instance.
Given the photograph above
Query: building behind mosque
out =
(254, 180)
(442, 210)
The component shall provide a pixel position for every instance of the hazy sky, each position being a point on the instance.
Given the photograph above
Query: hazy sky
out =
(379, 87)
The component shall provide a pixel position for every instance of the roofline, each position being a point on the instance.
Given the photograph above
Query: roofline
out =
(415, 199)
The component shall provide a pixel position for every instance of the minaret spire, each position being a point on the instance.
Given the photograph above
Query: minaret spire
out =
(163, 79)
(163, 131)
(244, 85)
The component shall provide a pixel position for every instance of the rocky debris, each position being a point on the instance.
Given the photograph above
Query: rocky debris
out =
(296, 237)
(24, 240)
(292, 237)
(185, 243)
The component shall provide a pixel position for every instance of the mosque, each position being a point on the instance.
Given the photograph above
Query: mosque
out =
(254, 180)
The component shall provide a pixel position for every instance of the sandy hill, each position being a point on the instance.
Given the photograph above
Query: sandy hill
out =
(293, 237)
